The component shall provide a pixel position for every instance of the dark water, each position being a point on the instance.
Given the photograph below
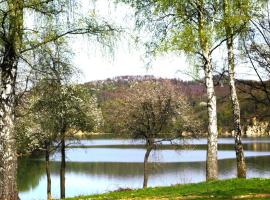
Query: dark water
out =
(116, 163)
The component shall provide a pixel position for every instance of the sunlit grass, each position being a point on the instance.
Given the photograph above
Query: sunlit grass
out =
(224, 189)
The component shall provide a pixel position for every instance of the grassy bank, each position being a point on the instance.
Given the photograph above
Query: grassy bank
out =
(224, 189)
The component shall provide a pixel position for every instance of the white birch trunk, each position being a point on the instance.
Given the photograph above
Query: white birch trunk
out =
(8, 157)
(211, 161)
(239, 149)
(211, 158)
(9, 62)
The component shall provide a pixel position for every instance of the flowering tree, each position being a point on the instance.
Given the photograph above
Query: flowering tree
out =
(56, 109)
(148, 111)
(53, 113)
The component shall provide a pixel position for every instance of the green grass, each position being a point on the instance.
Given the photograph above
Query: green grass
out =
(224, 189)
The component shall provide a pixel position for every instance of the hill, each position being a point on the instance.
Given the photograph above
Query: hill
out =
(253, 101)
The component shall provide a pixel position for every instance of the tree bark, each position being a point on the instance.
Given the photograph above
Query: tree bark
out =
(8, 157)
(11, 40)
(48, 172)
(211, 161)
(63, 168)
(145, 166)
(239, 149)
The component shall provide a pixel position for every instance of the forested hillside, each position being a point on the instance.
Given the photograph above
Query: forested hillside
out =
(252, 108)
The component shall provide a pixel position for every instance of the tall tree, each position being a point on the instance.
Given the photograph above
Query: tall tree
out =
(237, 16)
(235, 19)
(188, 26)
(55, 106)
(20, 35)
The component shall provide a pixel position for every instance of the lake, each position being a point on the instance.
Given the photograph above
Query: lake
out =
(102, 165)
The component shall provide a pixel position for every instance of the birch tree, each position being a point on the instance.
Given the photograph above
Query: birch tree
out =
(25, 26)
(235, 19)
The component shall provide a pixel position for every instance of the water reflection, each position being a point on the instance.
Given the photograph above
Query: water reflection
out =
(137, 155)
(99, 170)
(101, 142)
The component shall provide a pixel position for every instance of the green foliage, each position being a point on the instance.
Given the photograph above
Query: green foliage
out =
(63, 107)
(178, 25)
(54, 106)
(185, 40)
(236, 16)
(52, 110)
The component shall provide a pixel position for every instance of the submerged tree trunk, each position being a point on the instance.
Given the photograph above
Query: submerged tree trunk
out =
(211, 161)
(48, 172)
(145, 166)
(63, 168)
(8, 157)
(239, 149)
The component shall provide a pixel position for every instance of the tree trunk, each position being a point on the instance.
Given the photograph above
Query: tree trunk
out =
(63, 168)
(12, 43)
(48, 172)
(211, 161)
(8, 157)
(145, 166)
(239, 149)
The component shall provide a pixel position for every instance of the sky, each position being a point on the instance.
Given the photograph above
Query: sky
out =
(97, 64)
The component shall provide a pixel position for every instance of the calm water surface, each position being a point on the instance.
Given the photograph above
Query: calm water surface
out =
(100, 169)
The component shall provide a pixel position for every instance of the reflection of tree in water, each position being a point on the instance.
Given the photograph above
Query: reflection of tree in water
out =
(256, 166)
(30, 170)
(29, 173)
(248, 147)
(258, 146)
(259, 164)
(130, 169)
